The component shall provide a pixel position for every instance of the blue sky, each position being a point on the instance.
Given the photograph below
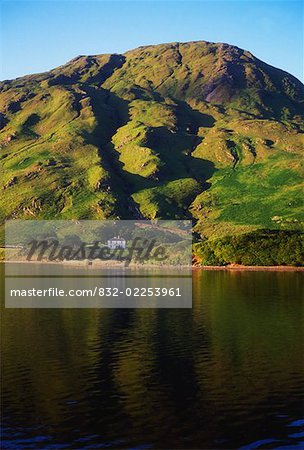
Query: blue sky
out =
(39, 35)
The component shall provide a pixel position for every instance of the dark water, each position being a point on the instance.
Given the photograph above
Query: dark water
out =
(226, 374)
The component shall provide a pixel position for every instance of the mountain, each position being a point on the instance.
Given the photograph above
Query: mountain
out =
(183, 130)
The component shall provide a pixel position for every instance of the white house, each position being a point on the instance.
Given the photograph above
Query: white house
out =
(116, 242)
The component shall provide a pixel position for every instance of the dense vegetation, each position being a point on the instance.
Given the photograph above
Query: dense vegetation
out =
(258, 248)
(198, 130)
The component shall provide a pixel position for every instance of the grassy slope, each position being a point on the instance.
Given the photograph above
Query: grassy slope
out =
(198, 130)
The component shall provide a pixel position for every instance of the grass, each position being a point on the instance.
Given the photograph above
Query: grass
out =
(254, 195)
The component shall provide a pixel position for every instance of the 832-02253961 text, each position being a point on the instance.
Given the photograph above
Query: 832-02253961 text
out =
(98, 291)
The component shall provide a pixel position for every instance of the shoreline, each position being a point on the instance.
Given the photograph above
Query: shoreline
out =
(231, 268)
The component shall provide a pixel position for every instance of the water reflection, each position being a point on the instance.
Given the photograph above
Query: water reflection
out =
(226, 374)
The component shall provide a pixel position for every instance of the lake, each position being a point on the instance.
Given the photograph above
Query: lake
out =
(226, 374)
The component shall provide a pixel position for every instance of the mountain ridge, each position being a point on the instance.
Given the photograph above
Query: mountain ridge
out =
(142, 47)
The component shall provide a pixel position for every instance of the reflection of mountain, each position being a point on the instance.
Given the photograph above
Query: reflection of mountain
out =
(128, 377)
(197, 130)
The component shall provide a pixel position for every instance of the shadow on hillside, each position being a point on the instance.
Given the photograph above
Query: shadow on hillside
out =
(111, 112)
(175, 151)
(178, 164)
(173, 147)
(190, 119)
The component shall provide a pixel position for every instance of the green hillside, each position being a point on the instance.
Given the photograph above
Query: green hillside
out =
(196, 130)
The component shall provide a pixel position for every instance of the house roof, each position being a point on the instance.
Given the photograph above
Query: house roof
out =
(116, 239)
